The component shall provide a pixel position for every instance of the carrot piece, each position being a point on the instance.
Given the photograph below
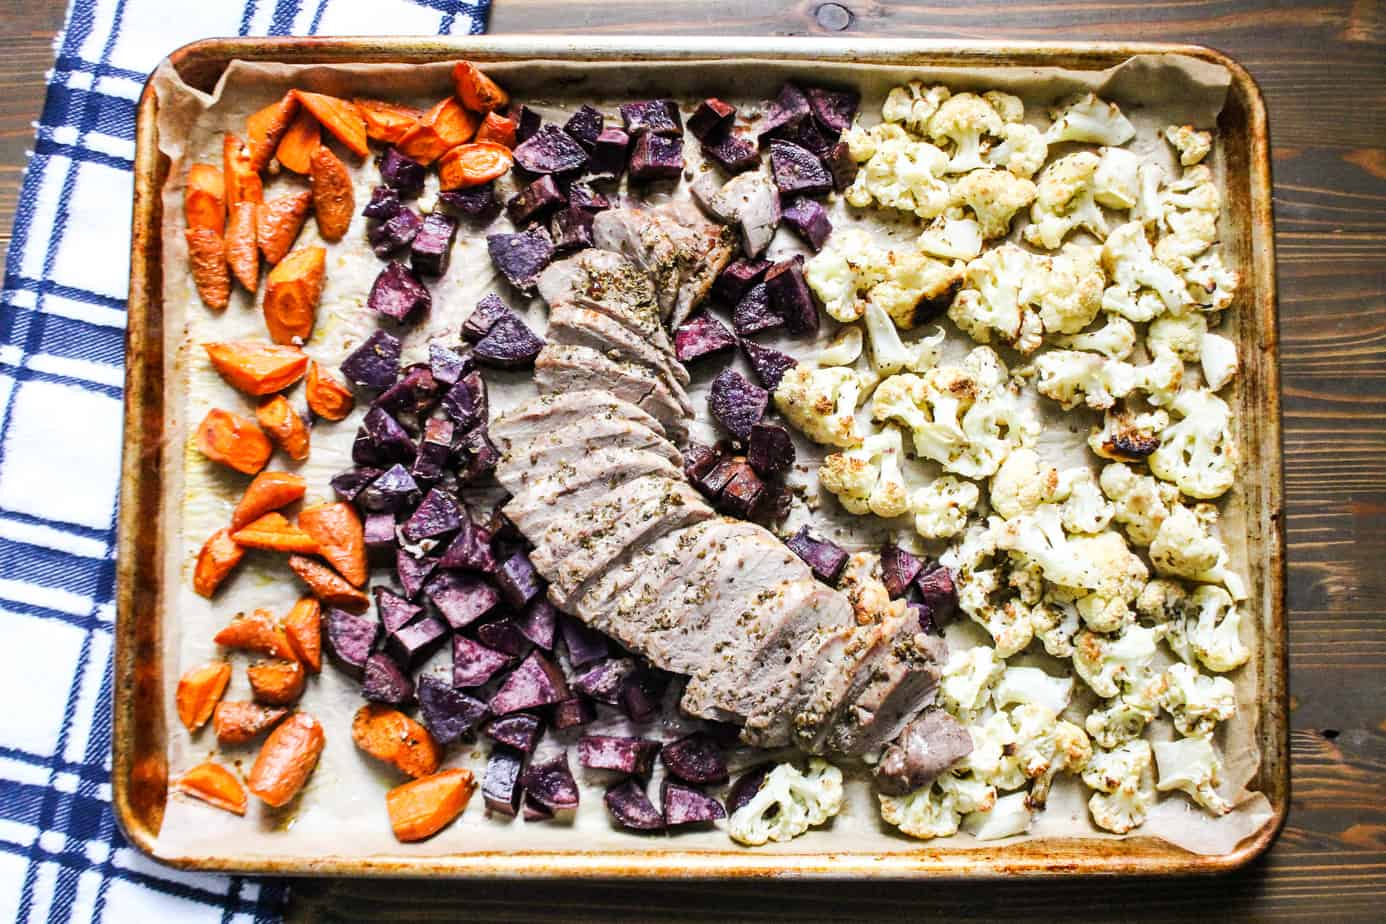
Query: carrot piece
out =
(333, 201)
(292, 291)
(204, 198)
(299, 142)
(198, 692)
(215, 785)
(278, 221)
(340, 117)
(207, 260)
(386, 122)
(239, 722)
(243, 183)
(265, 129)
(423, 807)
(274, 533)
(438, 130)
(390, 735)
(255, 632)
(276, 683)
(217, 558)
(268, 491)
(327, 397)
(303, 626)
(497, 129)
(327, 585)
(256, 368)
(473, 164)
(285, 427)
(242, 255)
(286, 759)
(233, 440)
(478, 92)
(340, 537)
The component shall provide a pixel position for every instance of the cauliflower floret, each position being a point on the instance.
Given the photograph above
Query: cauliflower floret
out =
(1192, 144)
(900, 173)
(1055, 623)
(821, 403)
(1197, 702)
(1115, 339)
(1045, 746)
(1131, 264)
(1107, 662)
(1218, 357)
(1093, 121)
(1127, 435)
(1214, 634)
(1184, 547)
(868, 479)
(1197, 452)
(1212, 285)
(1067, 288)
(951, 238)
(941, 507)
(936, 810)
(1163, 601)
(995, 426)
(1125, 784)
(1182, 336)
(1007, 105)
(890, 354)
(995, 299)
(1022, 150)
(981, 581)
(1064, 201)
(1009, 817)
(1141, 503)
(1124, 718)
(862, 584)
(968, 677)
(913, 106)
(1032, 686)
(994, 756)
(1191, 215)
(1084, 510)
(837, 273)
(1150, 202)
(962, 121)
(1193, 766)
(1099, 564)
(788, 803)
(1072, 377)
(914, 287)
(1117, 183)
(1021, 484)
(994, 196)
(843, 351)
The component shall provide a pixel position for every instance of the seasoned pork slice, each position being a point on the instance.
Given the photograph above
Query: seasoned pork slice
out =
(820, 661)
(607, 282)
(584, 327)
(899, 684)
(571, 480)
(680, 250)
(830, 683)
(930, 745)
(571, 368)
(539, 416)
(519, 467)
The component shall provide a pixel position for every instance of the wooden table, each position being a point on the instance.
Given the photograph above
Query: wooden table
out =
(1323, 69)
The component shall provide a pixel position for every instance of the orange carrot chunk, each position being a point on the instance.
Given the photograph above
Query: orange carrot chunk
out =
(303, 626)
(327, 585)
(242, 254)
(239, 722)
(257, 368)
(386, 122)
(286, 759)
(242, 181)
(265, 129)
(278, 221)
(340, 118)
(497, 129)
(277, 683)
(327, 397)
(267, 491)
(391, 736)
(473, 164)
(340, 536)
(438, 130)
(233, 441)
(285, 427)
(292, 291)
(296, 148)
(204, 198)
(423, 807)
(215, 785)
(478, 92)
(207, 260)
(333, 201)
(198, 692)
(255, 632)
(216, 560)
(274, 533)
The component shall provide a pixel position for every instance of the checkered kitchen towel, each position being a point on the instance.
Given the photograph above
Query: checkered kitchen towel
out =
(62, 314)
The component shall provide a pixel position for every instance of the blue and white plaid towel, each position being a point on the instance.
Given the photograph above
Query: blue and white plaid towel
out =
(62, 315)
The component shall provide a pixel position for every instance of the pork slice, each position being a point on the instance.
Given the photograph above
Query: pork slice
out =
(705, 248)
(518, 468)
(570, 368)
(930, 745)
(565, 482)
(576, 326)
(899, 684)
(607, 278)
(642, 236)
(523, 424)
(823, 690)
(821, 660)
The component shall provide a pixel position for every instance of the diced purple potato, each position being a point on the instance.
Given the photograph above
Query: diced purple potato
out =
(394, 611)
(378, 531)
(473, 664)
(384, 204)
(585, 125)
(738, 277)
(381, 440)
(504, 636)
(695, 759)
(571, 229)
(431, 251)
(809, 219)
(477, 454)
(349, 639)
(519, 583)
(483, 317)
(550, 150)
(655, 116)
(604, 681)
(446, 711)
(461, 598)
(732, 153)
(573, 712)
(411, 645)
(631, 756)
(413, 572)
(402, 173)
(924, 616)
(716, 478)
(698, 460)
(471, 550)
(807, 134)
(521, 257)
(349, 484)
(520, 731)
(501, 787)
(769, 363)
(834, 109)
(826, 559)
(435, 450)
(898, 569)
(395, 233)
(536, 682)
(583, 196)
(436, 517)
(448, 365)
(527, 122)
(655, 157)
(610, 152)
(631, 808)
(641, 694)
(797, 170)
(841, 165)
(538, 622)
(393, 491)
(790, 106)
(702, 336)
(770, 451)
(684, 805)
(938, 591)
(384, 682)
(510, 344)
(736, 403)
(465, 403)
(531, 809)
(535, 201)
(753, 313)
(746, 787)
(712, 119)
(399, 294)
(742, 493)
(477, 203)
(375, 363)
(551, 784)
(584, 645)
(416, 392)
(791, 297)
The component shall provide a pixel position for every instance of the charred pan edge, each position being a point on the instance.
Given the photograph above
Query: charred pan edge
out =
(139, 768)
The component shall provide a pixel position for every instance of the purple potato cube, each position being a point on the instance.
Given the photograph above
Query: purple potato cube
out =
(527, 123)
(585, 125)
(583, 196)
(826, 559)
(461, 598)
(536, 682)
(435, 449)
(716, 478)
(742, 493)
(702, 336)
(483, 317)
(375, 363)
(584, 645)
(535, 201)
(477, 454)
(833, 109)
(445, 711)
(770, 451)
(381, 440)
(349, 639)
(807, 134)
(399, 294)
(393, 491)
(519, 583)
(447, 365)
(810, 220)
(924, 617)
(431, 250)
(938, 591)
(473, 664)
(395, 612)
(571, 229)
(684, 805)
(631, 756)
(789, 107)
(379, 533)
(737, 279)
(411, 645)
(797, 170)
(465, 403)
(436, 517)
(384, 204)
(641, 694)
(737, 404)
(791, 297)
(841, 165)
(510, 344)
(415, 393)
(470, 550)
(550, 150)
(534, 810)
(655, 157)
(604, 681)
(384, 682)
(609, 152)
(395, 233)
(631, 808)
(732, 153)
(695, 759)
(476, 203)
(898, 569)
(551, 784)
(520, 731)
(538, 622)
(573, 712)
(402, 174)
(698, 460)
(655, 116)
(501, 786)
(753, 313)
(769, 363)
(712, 119)
(504, 636)
(520, 258)
(413, 572)
(349, 484)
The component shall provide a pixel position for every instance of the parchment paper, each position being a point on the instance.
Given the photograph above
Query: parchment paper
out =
(342, 809)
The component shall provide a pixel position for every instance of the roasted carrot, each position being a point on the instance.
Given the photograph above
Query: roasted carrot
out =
(276, 683)
(257, 368)
(284, 426)
(274, 533)
(215, 785)
(218, 557)
(265, 129)
(292, 291)
(242, 254)
(267, 491)
(255, 632)
(340, 537)
(296, 148)
(198, 692)
(243, 183)
(327, 585)
(497, 129)
(390, 735)
(386, 122)
(473, 164)
(286, 759)
(438, 130)
(204, 198)
(233, 440)
(423, 807)
(239, 722)
(340, 118)
(278, 221)
(333, 202)
(303, 626)
(327, 397)
(478, 92)
(207, 260)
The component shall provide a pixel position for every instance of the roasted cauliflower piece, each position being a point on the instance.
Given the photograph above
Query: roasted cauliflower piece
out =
(788, 803)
